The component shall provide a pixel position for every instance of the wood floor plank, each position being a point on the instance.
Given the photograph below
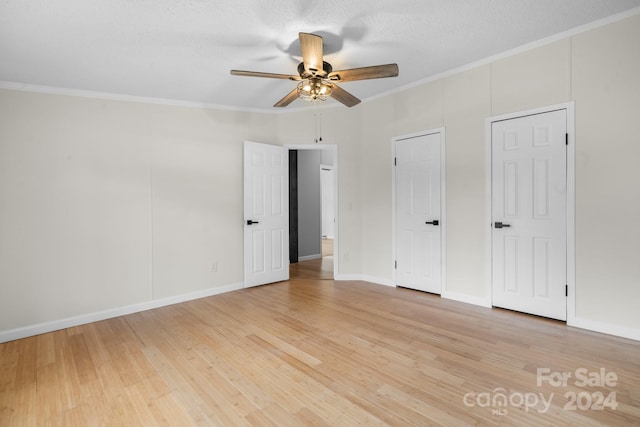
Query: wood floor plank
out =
(314, 352)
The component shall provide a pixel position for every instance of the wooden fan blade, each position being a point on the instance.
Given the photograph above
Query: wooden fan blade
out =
(364, 73)
(288, 98)
(267, 75)
(311, 47)
(343, 96)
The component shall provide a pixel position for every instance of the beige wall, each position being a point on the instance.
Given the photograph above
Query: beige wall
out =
(105, 204)
(606, 87)
(466, 106)
(74, 207)
(195, 183)
(600, 70)
(531, 79)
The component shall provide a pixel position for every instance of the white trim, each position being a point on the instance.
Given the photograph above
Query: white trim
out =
(336, 229)
(488, 277)
(571, 212)
(309, 257)
(394, 250)
(530, 112)
(468, 299)
(571, 251)
(378, 281)
(41, 328)
(365, 278)
(443, 210)
(605, 328)
(348, 277)
(443, 203)
(108, 96)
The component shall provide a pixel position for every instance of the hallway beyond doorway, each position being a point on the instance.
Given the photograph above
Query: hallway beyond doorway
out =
(319, 268)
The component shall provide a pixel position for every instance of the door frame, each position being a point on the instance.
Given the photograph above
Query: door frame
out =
(333, 149)
(571, 260)
(443, 205)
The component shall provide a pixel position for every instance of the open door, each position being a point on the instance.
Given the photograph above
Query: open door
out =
(266, 214)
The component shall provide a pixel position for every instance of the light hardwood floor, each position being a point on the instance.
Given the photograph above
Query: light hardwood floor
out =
(320, 268)
(315, 352)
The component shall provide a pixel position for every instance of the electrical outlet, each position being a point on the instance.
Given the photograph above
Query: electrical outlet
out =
(346, 256)
(214, 267)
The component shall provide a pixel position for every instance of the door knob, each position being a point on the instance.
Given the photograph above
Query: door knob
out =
(250, 221)
(498, 224)
(434, 222)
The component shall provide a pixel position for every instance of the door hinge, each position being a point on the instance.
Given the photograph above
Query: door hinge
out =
(566, 290)
(566, 139)
(395, 265)
(395, 161)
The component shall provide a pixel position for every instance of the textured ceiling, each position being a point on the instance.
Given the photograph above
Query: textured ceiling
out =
(182, 50)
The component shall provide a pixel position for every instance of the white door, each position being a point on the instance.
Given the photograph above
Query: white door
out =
(327, 193)
(418, 213)
(266, 214)
(529, 214)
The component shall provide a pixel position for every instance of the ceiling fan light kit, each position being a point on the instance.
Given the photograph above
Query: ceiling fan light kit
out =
(314, 89)
(318, 83)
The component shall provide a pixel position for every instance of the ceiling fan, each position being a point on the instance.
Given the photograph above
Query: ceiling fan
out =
(317, 80)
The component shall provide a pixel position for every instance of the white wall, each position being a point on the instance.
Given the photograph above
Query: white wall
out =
(105, 204)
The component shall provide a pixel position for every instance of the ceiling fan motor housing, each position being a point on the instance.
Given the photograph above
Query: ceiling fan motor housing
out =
(326, 69)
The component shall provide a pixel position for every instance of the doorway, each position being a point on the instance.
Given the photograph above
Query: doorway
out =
(531, 195)
(313, 211)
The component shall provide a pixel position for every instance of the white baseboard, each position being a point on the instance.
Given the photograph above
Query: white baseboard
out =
(469, 299)
(379, 281)
(41, 328)
(348, 277)
(308, 257)
(605, 328)
(365, 278)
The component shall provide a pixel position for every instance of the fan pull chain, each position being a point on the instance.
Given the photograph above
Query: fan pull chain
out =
(318, 127)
